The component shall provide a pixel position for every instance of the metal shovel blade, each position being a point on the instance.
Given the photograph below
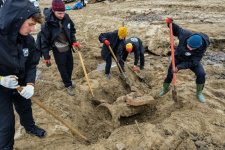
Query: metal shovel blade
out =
(174, 94)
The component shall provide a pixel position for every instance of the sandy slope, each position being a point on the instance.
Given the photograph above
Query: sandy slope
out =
(188, 124)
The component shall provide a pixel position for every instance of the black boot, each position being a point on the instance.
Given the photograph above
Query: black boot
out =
(35, 130)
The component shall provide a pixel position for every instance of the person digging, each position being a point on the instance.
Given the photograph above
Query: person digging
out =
(116, 40)
(19, 59)
(188, 54)
(134, 44)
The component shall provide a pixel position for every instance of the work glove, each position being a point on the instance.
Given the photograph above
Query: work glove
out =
(169, 20)
(27, 92)
(47, 63)
(176, 70)
(134, 68)
(106, 42)
(76, 45)
(10, 81)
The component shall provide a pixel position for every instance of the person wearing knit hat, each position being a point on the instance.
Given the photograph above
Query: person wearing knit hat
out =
(122, 33)
(19, 59)
(134, 44)
(188, 54)
(58, 34)
(195, 41)
(58, 5)
(116, 40)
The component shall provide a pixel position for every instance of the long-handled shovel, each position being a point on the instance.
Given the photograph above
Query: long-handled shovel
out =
(84, 70)
(128, 82)
(56, 117)
(174, 92)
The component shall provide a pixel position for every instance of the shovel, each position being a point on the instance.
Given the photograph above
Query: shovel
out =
(128, 81)
(84, 70)
(56, 117)
(174, 91)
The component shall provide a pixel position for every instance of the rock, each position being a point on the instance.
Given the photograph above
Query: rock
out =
(120, 146)
(200, 144)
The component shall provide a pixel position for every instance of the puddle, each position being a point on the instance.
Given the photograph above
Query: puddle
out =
(101, 66)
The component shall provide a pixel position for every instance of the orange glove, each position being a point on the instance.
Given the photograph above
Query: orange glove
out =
(106, 42)
(176, 70)
(76, 44)
(47, 63)
(169, 20)
(134, 68)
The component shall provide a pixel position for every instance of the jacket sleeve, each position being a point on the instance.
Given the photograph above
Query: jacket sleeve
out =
(45, 41)
(180, 32)
(72, 32)
(103, 36)
(31, 64)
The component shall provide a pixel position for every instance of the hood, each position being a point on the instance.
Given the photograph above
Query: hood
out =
(49, 16)
(13, 14)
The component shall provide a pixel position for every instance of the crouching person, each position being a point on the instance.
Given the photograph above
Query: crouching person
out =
(188, 54)
(18, 60)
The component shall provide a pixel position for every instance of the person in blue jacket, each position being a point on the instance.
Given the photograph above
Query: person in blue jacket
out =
(116, 40)
(134, 44)
(58, 34)
(18, 60)
(188, 54)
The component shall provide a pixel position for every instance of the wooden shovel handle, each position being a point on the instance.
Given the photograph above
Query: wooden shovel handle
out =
(55, 116)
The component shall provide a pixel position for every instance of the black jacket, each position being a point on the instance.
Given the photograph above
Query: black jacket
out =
(19, 55)
(137, 48)
(51, 29)
(186, 57)
(116, 44)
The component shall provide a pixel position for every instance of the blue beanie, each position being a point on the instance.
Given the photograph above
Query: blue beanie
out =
(195, 41)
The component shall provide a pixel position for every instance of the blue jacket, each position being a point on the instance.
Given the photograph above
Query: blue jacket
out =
(51, 29)
(116, 44)
(18, 54)
(186, 57)
(137, 48)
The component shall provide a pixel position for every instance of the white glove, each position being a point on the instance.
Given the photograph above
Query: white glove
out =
(9, 81)
(27, 92)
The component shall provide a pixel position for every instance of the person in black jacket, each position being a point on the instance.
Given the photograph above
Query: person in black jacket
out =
(188, 54)
(18, 60)
(58, 34)
(134, 44)
(1, 3)
(116, 40)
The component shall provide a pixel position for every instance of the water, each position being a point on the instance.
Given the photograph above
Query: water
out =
(101, 66)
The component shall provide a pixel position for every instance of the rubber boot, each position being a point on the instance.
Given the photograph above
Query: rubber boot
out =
(107, 76)
(165, 88)
(124, 74)
(201, 98)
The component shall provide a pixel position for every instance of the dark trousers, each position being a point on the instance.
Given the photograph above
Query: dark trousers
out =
(198, 70)
(83, 3)
(109, 63)
(7, 118)
(64, 62)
